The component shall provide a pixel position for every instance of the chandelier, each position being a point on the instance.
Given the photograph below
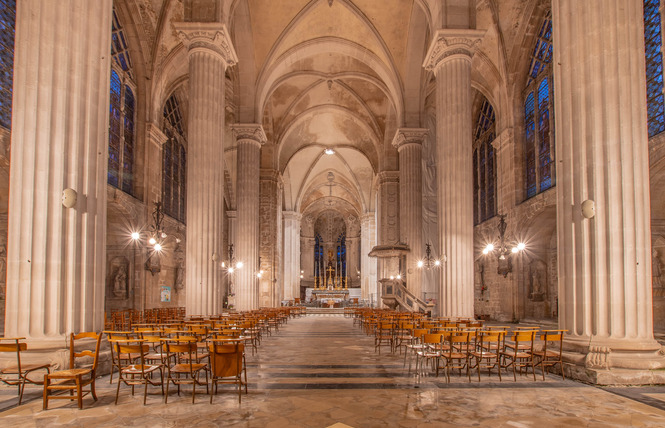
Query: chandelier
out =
(429, 261)
(505, 265)
(231, 264)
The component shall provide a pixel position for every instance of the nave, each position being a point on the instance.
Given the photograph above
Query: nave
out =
(322, 370)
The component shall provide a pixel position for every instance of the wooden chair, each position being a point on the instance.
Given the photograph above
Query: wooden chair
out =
(415, 345)
(227, 366)
(456, 355)
(552, 356)
(184, 371)
(74, 379)
(431, 351)
(18, 374)
(488, 353)
(112, 337)
(383, 336)
(137, 374)
(518, 352)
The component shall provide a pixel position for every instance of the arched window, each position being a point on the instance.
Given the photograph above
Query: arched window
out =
(174, 162)
(539, 141)
(318, 258)
(7, 27)
(654, 67)
(341, 257)
(122, 130)
(484, 165)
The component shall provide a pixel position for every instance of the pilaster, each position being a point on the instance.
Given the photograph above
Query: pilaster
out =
(291, 254)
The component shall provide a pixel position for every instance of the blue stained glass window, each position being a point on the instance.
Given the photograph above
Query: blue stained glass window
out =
(654, 67)
(115, 130)
(128, 146)
(7, 30)
(174, 177)
(484, 182)
(119, 50)
(538, 125)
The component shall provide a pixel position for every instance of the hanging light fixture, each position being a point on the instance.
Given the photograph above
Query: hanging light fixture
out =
(504, 253)
(231, 264)
(429, 261)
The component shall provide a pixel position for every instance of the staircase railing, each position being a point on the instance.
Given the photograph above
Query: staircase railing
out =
(394, 293)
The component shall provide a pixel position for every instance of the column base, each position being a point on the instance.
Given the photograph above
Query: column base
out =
(614, 362)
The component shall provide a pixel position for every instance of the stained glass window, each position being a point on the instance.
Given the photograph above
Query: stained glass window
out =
(122, 129)
(654, 67)
(484, 171)
(7, 28)
(174, 162)
(538, 125)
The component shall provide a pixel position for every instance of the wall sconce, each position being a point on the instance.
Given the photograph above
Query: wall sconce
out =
(69, 197)
(504, 266)
(588, 208)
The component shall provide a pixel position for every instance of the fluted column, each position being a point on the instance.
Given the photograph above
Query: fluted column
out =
(604, 260)
(291, 254)
(408, 142)
(368, 285)
(249, 138)
(449, 57)
(56, 255)
(210, 52)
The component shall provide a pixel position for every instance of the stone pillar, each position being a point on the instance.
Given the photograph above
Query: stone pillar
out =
(506, 189)
(270, 243)
(210, 52)
(56, 255)
(387, 227)
(602, 151)
(449, 57)
(291, 254)
(408, 142)
(249, 138)
(368, 285)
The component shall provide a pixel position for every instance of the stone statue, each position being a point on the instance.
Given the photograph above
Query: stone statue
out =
(537, 279)
(120, 282)
(179, 276)
(656, 270)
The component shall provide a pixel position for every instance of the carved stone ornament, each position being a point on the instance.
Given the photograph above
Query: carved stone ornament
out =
(211, 36)
(405, 136)
(249, 131)
(447, 43)
(598, 358)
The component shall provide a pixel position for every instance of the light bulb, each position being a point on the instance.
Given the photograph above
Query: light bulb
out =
(230, 270)
(239, 265)
(135, 236)
(152, 241)
(521, 246)
(420, 263)
(158, 247)
(437, 263)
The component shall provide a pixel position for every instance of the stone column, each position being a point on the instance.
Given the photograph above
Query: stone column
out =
(504, 149)
(387, 227)
(249, 138)
(270, 243)
(291, 254)
(210, 52)
(602, 152)
(449, 57)
(408, 142)
(368, 285)
(56, 255)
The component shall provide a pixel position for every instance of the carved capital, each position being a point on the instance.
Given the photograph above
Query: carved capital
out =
(207, 36)
(244, 132)
(503, 139)
(292, 216)
(451, 43)
(386, 177)
(405, 136)
(155, 135)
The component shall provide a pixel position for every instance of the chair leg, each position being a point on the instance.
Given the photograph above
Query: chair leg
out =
(117, 391)
(145, 390)
(45, 403)
(79, 392)
(21, 388)
(92, 389)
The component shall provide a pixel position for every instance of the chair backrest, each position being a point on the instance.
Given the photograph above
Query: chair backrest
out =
(179, 348)
(225, 358)
(552, 336)
(13, 344)
(133, 347)
(73, 355)
(432, 338)
(524, 336)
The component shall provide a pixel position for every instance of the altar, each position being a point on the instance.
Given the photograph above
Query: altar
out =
(330, 294)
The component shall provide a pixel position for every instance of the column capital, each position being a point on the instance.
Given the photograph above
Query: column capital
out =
(450, 43)
(367, 217)
(155, 135)
(388, 177)
(503, 139)
(251, 132)
(292, 215)
(405, 136)
(207, 36)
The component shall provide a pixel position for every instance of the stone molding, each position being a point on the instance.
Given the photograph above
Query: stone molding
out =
(387, 177)
(406, 136)
(155, 135)
(292, 216)
(249, 132)
(503, 139)
(451, 43)
(209, 37)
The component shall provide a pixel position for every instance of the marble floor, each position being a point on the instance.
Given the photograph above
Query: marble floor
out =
(321, 371)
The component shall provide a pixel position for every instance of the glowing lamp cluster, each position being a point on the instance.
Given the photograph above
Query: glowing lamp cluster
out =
(503, 254)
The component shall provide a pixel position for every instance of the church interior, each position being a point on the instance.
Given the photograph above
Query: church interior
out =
(489, 160)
